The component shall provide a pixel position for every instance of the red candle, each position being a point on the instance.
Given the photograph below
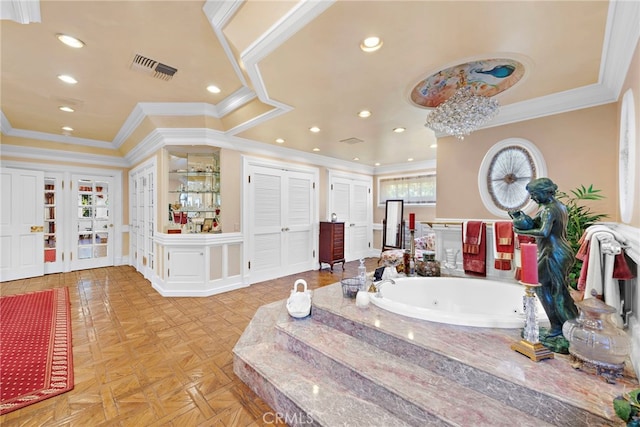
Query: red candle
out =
(529, 257)
(412, 221)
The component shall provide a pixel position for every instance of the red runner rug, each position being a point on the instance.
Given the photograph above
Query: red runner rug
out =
(36, 358)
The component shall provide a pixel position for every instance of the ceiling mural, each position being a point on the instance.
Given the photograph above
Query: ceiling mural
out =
(487, 77)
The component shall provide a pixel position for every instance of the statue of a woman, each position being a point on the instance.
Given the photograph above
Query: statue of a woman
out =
(555, 257)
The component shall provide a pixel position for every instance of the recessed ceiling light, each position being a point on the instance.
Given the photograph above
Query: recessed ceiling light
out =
(356, 158)
(371, 44)
(213, 89)
(399, 130)
(67, 79)
(67, 128)
(433, 146)
(364, 114)
(314, 129)
(66, 109)
(316, 149)
(279, 140)
(376, 164)
(70, 41)
(410, 159)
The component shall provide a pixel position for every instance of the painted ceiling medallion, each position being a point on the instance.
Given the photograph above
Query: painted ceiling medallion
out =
(487, 77)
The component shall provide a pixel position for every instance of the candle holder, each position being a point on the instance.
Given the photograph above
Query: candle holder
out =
(530, 344)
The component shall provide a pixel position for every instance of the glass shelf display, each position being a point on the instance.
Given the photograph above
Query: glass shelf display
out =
(194, 192)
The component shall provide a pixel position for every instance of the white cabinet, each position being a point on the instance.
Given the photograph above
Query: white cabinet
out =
(351, 200)
(186, 265)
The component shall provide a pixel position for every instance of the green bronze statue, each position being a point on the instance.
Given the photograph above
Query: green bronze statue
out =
(555, 259)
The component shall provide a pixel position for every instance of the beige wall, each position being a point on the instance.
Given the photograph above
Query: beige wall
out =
(230, 190)
(579, 148)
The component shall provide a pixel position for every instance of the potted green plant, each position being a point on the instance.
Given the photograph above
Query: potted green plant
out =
(627, 407)
(580, 217)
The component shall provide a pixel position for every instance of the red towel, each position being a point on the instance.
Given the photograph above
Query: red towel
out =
(504, 244)
(474, 248)
(621, 269)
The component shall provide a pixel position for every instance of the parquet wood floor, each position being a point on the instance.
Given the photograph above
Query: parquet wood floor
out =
(141, 359)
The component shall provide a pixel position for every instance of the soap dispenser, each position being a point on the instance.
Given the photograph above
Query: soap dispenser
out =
(362, 297)
(362, 274)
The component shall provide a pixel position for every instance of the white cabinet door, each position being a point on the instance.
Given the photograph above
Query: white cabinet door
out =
(298, 220)
(142, 214)
(186, 265)
(21, 224)
(351, 200)
(281, 232)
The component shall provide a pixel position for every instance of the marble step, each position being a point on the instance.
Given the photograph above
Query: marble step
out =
(479, 359)
(417, 395)
(299, 393)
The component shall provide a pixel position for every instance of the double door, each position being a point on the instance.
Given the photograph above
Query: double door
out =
(42, 220)
(281, 222)
(351, 200)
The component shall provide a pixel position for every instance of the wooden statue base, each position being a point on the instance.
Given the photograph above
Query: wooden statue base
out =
(535, 352)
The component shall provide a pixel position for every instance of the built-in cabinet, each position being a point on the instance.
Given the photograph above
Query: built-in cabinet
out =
(331, 243)
(351, 200)
(194, 192)
(142, 202)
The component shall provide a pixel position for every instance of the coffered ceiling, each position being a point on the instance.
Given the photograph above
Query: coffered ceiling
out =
(285, 66)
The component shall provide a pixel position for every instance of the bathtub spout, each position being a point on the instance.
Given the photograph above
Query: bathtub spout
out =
(377, 285)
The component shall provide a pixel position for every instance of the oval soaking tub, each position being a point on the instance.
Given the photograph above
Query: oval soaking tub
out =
(457, 301)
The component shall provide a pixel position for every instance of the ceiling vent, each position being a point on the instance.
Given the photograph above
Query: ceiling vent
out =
(150, 66)
(351, 140)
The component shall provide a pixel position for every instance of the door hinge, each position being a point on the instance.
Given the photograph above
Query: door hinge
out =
(62, 184)
(71, 256)
(369, 244)
(314, 253)
(249, 178)
(314, 185)
(168, 272)
(369, 191)
(332, 186)
(168, 256)
(62, 256)
(249, 264)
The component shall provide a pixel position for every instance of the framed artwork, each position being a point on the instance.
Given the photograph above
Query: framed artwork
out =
(207, 225)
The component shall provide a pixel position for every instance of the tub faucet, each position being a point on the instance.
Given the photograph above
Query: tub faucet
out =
(377, 285)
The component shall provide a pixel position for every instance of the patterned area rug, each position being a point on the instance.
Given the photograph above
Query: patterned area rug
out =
(36, 358)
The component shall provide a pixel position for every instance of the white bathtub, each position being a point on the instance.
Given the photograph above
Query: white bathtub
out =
(457, 301)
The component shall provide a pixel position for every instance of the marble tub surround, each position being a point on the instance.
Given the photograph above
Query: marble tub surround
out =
(340, 363)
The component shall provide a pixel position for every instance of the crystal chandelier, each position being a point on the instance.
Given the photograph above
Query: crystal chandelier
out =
(463, 113)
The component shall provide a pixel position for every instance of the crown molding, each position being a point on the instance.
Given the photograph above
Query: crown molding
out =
(36, 153)
(20, 11)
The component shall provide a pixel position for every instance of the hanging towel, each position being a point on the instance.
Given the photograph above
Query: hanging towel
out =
(474, 252)
(503, 244)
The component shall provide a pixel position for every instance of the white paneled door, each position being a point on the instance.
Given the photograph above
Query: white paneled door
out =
(21, 224)
(281, 222)
(92, 223)
(351, 201)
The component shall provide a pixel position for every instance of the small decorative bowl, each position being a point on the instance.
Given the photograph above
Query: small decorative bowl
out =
(350, 287)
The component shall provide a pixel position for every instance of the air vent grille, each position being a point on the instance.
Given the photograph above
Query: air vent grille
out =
(154, 68)
(351, 140)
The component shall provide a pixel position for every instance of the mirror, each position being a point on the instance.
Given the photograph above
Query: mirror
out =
(392, 225)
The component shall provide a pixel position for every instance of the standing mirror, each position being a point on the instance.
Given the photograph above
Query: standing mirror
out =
(392, 225)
